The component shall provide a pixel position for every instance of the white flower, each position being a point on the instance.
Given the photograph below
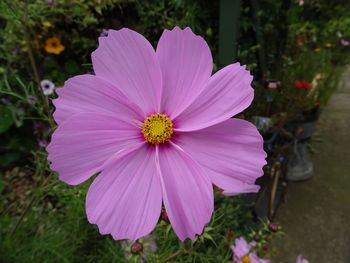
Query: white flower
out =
(47, 87)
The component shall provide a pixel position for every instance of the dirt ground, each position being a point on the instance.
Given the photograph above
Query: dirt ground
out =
(316, 214)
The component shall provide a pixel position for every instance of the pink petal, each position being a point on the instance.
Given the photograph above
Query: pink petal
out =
(255, 259)
(227, 93)
(82, 144)
(186, 63)
(89, 93)
(127, 59)
(125, 200)
(301, 259)
(187, 192)
(231, 153)
(240, 248)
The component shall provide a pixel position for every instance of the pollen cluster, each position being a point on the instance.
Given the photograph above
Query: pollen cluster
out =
(246, 259)
(157, 128)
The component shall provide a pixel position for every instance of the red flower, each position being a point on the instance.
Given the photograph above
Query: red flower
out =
(298, 85)
(303, 85)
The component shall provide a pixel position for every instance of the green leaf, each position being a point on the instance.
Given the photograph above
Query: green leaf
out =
(9, 158)
(6, 118)
(71, 67)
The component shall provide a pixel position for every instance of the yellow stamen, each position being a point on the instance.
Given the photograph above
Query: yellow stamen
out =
(246, 259)
(157, 128)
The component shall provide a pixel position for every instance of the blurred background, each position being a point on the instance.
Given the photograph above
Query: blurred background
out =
(298, 52)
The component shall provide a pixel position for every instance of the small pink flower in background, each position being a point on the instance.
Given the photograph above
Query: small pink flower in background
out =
(42, 143)
(344, 42)
(51, 2)
(243, 252)
(241, 248)
(301, 259)
(47, 86)
(104, 33)
(158, 128)
(32, 100)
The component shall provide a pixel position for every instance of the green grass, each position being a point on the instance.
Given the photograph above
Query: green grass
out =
(53, 228)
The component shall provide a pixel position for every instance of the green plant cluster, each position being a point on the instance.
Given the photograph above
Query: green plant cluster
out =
(51, 226)
(301, 43)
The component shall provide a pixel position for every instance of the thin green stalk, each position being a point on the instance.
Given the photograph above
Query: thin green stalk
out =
(172, 256)
(32, 61)
(23, 214)
(35, 198)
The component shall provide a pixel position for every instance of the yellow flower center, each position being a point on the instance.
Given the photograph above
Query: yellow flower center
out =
(157, 128)
(246, 259)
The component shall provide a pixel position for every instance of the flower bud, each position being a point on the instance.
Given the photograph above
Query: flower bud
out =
(230, 235)
(265, 249)
(164, 216)
(257, 237)
(136, 248)
(274, 227)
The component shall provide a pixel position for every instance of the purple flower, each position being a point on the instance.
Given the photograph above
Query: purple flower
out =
(5, 101)
(32, 99)
(37, 125)
(158, 127)
(344, 42)
(243, 252)
(42, 143)
(241, 247)
(51, 2)
(154, 247)
(104, 33)
(301, 259)
(47, 87)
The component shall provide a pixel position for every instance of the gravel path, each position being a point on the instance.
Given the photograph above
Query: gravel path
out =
(316, 213)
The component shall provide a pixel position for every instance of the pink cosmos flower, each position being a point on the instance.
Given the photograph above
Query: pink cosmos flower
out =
(301, 259)
(157, 127)
(243, 252)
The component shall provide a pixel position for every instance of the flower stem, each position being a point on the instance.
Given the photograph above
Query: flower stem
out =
(32, 61)
(172, 256)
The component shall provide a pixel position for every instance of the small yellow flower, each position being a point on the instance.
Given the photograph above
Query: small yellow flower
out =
(328, 45)
(317, 50)
(53, 45)
(47, 24)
